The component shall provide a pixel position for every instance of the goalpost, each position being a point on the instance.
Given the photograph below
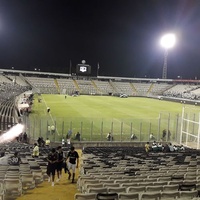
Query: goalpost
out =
(190, 127)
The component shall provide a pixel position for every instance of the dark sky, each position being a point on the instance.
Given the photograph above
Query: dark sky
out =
(121, 35)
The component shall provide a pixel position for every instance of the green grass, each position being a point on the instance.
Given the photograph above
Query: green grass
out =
(95, 116)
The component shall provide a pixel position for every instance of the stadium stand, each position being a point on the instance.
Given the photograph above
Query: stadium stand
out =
(104, 87)
(141, 173)
(129, 172)
(45, 85)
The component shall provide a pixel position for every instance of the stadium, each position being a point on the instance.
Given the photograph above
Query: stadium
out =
(58, 106)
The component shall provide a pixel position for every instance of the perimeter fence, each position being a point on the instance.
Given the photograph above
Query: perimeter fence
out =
(165, 128)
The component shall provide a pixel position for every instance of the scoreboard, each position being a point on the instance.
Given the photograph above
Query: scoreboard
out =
(83, 69)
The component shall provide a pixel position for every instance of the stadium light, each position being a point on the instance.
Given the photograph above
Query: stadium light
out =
(167, 42)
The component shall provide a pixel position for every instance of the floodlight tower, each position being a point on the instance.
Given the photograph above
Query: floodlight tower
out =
(167, 41)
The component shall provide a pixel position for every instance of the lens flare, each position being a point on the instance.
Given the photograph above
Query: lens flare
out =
(12, 133)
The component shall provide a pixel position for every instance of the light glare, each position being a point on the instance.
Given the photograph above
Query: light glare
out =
(168, 40)
(10, 135)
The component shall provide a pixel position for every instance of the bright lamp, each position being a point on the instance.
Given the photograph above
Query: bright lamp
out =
(168, 41)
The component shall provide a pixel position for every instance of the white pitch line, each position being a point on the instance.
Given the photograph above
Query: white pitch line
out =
(50, 115)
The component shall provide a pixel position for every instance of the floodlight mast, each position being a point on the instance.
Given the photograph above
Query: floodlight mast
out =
(167, 42)
(164, 72)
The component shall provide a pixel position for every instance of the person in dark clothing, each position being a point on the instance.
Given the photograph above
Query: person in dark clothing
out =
(166, 148)
(51, 167)
(59, 162)
(72, 162)
(15, 160)
(133, 136)
(25, 137)
(78, 136)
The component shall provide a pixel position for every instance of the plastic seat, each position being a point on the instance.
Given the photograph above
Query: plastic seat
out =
(116, 189)
(152, 195)
(169, 195)
(132, 196)
(107, 196)
(137, 189)
(188, 194)
(90, 196)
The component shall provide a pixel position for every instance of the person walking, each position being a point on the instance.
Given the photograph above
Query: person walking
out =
(51, 167)
(59, 162)
(72, 162)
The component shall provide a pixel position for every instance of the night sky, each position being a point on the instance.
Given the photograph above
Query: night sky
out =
(121, 35)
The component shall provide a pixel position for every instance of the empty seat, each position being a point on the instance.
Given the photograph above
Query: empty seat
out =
(154, 188)
(169, 195)
(188, 194)
(117, 189)
(82, 196)
(137, 189)
(171, 187)
(152, 195)
(132, 196)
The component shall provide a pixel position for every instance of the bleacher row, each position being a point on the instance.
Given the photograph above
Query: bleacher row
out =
(99, 87)
(8, 112)
(133, 174)
(17, 180)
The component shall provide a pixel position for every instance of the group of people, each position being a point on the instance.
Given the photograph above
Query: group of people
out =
(57, 161)
(158, 147)
(42, 143)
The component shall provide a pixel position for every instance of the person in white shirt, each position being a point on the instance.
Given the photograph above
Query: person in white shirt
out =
(151, 137)
(63, 142)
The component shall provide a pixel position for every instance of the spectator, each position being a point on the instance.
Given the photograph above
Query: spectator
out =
(47, 142)
(78, 136)
(147, 147)
(63, 142)
(109, 137)
(52, 129)
(59, 162)
(151, 137)
(182, 148)
(68, 143)
(69, 134)
(154, 147)
(42, 142)
(39, 142)
(51, 167)
(171, 148)
(160, 147)
(49, 128)
(166, 148)
(175, 148)
(133, 136)
(164, 132)
(73, 161)
(25, 137)
(35, 150)
(15, 160)
(48, 109)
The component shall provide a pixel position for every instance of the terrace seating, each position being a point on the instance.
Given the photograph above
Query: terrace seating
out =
(148, 180)
(86, 87)
(103, 87)
(44, 85)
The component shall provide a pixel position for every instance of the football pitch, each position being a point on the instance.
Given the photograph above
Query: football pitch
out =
(95, 116)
